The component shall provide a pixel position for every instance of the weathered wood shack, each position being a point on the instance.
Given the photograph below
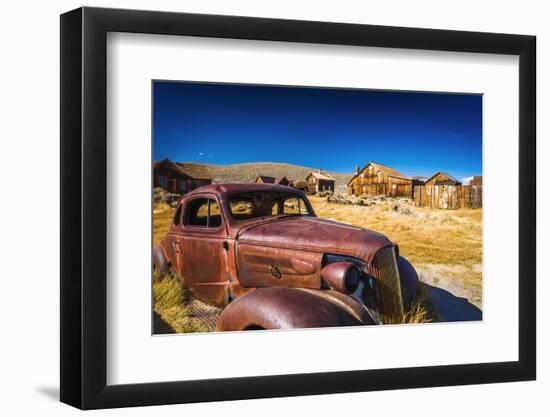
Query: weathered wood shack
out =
(299, 185)
(445, 192)
(265, 179)
(476, 180)
(180, 177)
(376, 179)
(318, 181)
(448, 196)
(441, 178)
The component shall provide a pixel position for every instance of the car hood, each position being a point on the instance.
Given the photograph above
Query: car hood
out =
(315, 234)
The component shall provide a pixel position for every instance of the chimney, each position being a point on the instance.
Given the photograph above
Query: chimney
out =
(357, 170)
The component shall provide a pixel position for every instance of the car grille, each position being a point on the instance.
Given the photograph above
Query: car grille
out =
(388, 286)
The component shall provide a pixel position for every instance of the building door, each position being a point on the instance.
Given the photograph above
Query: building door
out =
(172, 185)
(443, 196)
(163, 182)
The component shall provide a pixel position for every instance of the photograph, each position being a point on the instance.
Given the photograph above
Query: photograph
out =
(292, 207)
(347, 208)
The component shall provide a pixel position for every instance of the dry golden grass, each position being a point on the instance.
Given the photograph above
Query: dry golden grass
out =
(170, 297)
(171, 301)
(162, 216)
(422, 309)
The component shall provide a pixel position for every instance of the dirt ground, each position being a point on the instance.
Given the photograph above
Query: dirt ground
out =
(445, 247)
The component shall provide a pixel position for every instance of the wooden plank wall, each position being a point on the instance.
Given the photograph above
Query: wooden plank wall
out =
(401, 190)
(448, 196)
(372, 189)
(381, 185)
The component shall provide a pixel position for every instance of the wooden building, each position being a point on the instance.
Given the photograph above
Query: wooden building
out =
(445, 192)
(441, 178)
(376, 179)
(477, 180)
(420, 179)
(264, 179)
(299, 185)
(449, 196)
(318, 181)
(178, 177)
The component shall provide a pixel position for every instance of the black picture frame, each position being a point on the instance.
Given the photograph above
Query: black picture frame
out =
(84, 207)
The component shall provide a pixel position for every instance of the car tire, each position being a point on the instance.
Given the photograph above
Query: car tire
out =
(254, 327)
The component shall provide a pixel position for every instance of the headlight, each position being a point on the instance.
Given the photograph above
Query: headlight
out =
(342, 276)
(351, 280)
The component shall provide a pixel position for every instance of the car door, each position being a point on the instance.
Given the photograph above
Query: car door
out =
(203, 246)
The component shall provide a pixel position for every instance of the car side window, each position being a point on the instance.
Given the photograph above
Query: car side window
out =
(177, 216)
(294, 206)
(203, 212)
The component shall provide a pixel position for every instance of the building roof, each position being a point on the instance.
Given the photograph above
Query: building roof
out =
(387, 170)
(476, 180)
(445, 174)
(186, 169)
(266, 179)
(167, 164)
(299, 184)
(272, 180)
(197, 171)
(321, 175)
(392, 172)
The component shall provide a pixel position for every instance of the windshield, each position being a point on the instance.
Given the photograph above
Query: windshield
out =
(250, 205)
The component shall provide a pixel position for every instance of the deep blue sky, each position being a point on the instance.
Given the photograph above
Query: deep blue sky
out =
(330, 129)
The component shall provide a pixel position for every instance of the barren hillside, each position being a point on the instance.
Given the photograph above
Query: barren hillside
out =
(247, 172)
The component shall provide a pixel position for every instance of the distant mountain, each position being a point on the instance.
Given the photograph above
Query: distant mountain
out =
(247, 172)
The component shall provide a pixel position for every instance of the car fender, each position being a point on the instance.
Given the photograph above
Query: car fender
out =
(409, 280)
(291, 308)
(160, 261)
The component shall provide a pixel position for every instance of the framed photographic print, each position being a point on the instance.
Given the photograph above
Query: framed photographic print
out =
(258, 208)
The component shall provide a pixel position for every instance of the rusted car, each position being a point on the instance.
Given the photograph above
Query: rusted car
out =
(259, 252)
